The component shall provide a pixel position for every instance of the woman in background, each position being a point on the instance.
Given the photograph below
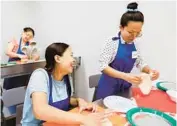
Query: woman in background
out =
(14, 51)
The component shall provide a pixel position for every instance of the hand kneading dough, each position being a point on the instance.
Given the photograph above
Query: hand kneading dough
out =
(146, 84)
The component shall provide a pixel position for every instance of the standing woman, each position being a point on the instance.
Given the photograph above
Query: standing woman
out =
(14, 51)
(121, 54)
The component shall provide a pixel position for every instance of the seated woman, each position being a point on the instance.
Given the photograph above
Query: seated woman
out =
(14, 51)
(48, 94)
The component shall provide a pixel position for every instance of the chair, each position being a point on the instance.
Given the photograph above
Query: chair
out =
(13, 100)
(93, 83)
(19, 112)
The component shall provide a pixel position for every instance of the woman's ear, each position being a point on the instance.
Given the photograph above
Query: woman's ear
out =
(57, 58)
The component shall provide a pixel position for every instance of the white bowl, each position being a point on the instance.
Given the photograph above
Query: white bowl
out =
(172, 94)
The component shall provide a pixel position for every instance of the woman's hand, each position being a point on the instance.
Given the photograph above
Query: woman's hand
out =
(154, 75)
(96, 119)
(133, 79)
(83, 105)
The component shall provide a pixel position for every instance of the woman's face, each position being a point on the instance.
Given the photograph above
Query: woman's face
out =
(27, 36)
(67, 61)
(131, 31)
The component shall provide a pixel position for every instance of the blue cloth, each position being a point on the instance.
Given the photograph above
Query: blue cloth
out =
(123, 62)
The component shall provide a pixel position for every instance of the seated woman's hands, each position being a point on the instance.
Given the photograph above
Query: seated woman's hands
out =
(95, 118)
(83, 105)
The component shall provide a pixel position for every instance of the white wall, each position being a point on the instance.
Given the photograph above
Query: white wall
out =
(87, 25)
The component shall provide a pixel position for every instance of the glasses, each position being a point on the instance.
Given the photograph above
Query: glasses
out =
(137, 34)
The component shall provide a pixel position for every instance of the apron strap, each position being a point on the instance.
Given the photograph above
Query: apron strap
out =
(19, 47)
(19, 51)
(50, 88)
(20, 44)
(68, 86)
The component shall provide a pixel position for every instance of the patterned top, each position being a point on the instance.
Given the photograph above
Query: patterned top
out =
(109, 52)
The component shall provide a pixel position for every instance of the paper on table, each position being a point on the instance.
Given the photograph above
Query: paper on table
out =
(146, 84)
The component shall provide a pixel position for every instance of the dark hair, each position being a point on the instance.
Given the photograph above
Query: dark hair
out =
(132, 14)
(28, 29)
(51, 51)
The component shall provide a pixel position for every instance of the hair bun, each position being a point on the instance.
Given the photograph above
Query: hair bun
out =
(132, 6)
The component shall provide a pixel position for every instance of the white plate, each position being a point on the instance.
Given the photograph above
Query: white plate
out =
(119, 104)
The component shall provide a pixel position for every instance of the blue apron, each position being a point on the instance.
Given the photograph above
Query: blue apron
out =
(64, 104)
(19, 51)
(18, 81)
(123, 62)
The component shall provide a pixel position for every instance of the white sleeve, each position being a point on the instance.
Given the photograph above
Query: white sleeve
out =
(140, 63)
(107, 54)
(38, 82)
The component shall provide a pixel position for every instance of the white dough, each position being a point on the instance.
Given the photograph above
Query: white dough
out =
(146, 84)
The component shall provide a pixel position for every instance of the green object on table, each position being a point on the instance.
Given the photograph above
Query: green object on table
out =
(159, 86)
(8, 64)
(3, 64)
(11, 63)
(133, 111)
